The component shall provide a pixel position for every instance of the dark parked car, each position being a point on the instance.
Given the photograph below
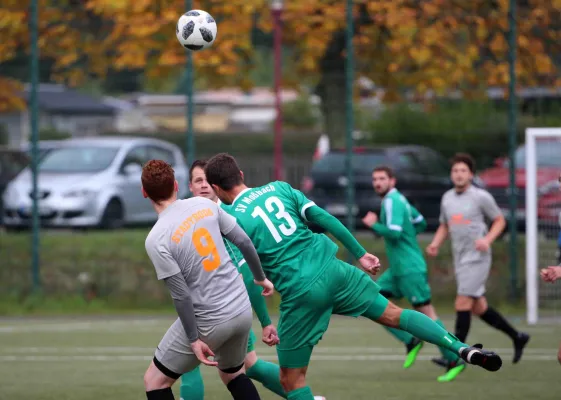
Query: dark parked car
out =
(423, 175)
(12, 162)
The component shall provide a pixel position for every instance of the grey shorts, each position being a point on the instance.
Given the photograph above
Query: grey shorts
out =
(228, 342)
(471, 278)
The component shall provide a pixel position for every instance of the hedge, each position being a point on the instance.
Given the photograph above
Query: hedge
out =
(113, 267)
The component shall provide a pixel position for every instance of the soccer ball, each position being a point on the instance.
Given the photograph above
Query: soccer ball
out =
(196, 30)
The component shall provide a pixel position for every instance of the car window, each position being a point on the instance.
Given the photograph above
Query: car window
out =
(84, 159)
(547, 154)
(159, 153)
(361, 162)
(139, 155)
(433, 163)
(406, 162)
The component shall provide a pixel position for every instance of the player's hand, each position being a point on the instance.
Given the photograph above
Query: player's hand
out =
(370, 219)
(270, 335)
(268, 288)
(370, 263)
(482, 245)
(202, 351)
(550, 274)
(432, 250)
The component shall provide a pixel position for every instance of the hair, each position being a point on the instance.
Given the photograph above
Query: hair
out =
(223, 171)
(463, 158)
(386, 169)
(158, 180)
(196, 164)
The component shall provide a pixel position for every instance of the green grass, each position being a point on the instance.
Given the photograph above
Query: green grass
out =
(105, 358)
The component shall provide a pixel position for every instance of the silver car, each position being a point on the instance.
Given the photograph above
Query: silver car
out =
(91, 182)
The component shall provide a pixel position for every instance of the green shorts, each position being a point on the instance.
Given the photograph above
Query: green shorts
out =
(340, 289)
(415, 287)
(251, 341)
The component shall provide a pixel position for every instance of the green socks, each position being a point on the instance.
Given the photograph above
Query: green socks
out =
(192, 387)
(447, 354)
(402, 336)
(304, 393)
(269, 375)
(424, 328)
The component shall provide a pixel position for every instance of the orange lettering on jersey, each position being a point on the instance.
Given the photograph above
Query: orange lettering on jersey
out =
(188, 222)
(458, 219)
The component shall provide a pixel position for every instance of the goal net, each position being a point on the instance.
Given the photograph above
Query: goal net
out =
(543, 219)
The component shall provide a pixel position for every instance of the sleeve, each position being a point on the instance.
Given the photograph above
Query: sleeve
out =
(418, 220)
(226, 221)
(183, 305)
(254, 291)
(336, 228)
(240, 239)
(489, 206)
(300, 199)
(395, 212)
(163, 261)
(442, 218)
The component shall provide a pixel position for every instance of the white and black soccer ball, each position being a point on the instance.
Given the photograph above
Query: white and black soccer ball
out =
(196, 30)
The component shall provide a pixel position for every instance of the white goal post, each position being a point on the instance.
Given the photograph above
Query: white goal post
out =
(532, 235)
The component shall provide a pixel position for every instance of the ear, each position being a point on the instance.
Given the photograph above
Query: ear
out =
(144, 194)
(215, 188)
(241, 173)
(175, 186)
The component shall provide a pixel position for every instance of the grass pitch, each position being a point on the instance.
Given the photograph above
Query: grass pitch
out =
(105, 357)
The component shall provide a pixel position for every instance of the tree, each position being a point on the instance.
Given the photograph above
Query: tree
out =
(415, 45)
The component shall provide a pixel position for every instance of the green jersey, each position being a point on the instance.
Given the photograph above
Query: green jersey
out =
(399, 224)
(274, 217)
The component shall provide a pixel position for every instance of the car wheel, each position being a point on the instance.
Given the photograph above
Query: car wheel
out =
(114, 215)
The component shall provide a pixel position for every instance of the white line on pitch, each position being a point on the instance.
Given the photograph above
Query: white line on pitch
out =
(138, 358)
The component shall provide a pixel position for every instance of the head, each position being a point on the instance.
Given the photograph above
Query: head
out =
(198, 184)
(463, 170)
(158, 182)
(383, 180)
(224, 176)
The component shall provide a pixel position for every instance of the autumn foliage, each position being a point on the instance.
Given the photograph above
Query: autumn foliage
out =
(429, 44)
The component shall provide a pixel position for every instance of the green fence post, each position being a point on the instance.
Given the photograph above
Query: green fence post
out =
(512, 128)
(190, 138)
(349, 80)
(33, 120)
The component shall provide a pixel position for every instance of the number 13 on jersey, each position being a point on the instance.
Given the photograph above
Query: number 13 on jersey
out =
(276, 207)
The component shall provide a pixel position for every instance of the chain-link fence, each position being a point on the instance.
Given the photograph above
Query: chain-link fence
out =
(426, 80)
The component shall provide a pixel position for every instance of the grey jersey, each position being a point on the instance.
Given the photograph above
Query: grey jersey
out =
(187, 238)
(466, 215)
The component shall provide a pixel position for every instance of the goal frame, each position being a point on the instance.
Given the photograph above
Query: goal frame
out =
(532, 267)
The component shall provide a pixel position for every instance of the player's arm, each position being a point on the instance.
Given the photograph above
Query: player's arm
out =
(419, 222)
(256, 298)
(168, 271)
(395, 212)
(440, 235)
(492, 211)
(235, 234)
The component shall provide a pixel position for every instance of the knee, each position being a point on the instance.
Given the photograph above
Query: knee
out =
(292, 378)
(480, 306)
(464, 303)
(154, 379)
(391, 316)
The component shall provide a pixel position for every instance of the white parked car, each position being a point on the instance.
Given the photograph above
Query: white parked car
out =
(91, 182)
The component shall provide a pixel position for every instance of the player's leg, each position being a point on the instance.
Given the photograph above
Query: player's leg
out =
(413, 346)
(419, 325)
(493, 318)
(173, 358)
(303, 321)
(192, 386)
(229, 344)
(416, 289)
(262, 371)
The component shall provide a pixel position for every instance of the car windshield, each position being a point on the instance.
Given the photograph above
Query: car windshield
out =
(548, 154)
(78, 159)
(361, 162)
